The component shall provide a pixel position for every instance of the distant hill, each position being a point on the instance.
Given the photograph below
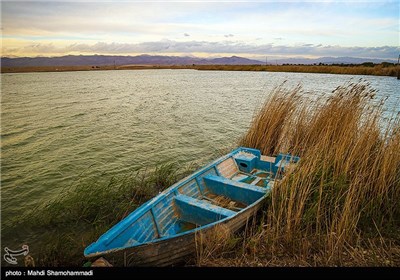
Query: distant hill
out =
(79, 60)
(99, 60)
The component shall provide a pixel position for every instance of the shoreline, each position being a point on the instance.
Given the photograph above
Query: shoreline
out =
(351, 69)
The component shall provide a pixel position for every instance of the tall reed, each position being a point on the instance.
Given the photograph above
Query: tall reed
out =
(347, 184)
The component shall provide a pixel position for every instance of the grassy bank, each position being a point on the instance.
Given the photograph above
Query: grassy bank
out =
(341, 205)
(59, 230)
(383, 69)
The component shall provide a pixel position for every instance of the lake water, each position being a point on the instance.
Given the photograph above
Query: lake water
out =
(59, 127)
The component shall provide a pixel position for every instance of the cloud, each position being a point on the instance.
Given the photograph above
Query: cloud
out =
(129, 21)
(208, 47)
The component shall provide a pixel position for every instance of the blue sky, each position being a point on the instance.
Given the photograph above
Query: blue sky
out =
(256, 29)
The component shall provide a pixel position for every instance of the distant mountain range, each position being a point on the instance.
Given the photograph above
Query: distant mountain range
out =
(98, 60)
(79, 60)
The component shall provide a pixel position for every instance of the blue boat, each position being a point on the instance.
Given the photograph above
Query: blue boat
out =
(162, 231)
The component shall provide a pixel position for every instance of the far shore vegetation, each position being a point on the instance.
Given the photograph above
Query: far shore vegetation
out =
(339, 207)
(367, 68)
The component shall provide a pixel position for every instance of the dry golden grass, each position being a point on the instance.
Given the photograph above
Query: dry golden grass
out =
(212, 244)
(377, 70)
(341, 205)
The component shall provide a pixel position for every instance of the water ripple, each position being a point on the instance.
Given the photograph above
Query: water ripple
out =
(54, 131)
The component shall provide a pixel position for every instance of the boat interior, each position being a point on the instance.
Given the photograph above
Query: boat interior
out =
(218, 191)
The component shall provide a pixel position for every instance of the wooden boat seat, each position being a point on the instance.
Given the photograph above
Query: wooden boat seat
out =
(239, 177)
(199, 212)
(229, 169)
(237, 191)
(268, 159)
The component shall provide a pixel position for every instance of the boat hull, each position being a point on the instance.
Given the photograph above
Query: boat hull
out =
(179, 249)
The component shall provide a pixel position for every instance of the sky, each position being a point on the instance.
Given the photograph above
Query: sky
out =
(252, 29)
